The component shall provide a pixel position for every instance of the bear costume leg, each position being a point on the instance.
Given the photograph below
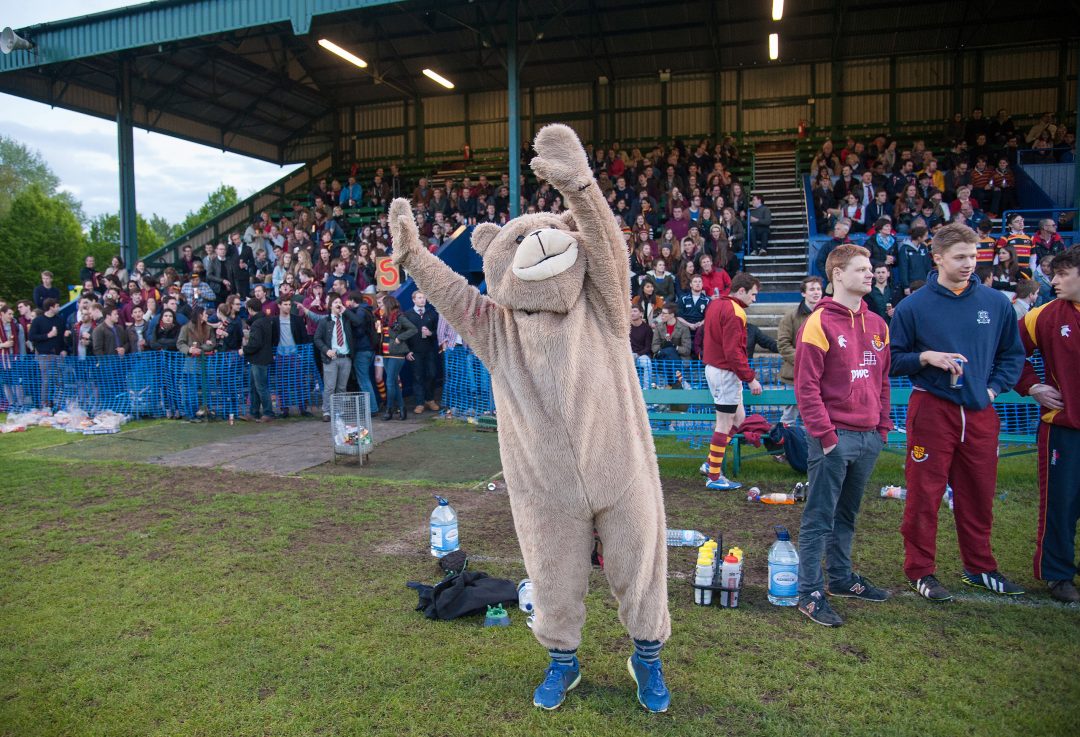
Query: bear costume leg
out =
(556, 542)
(635, 560)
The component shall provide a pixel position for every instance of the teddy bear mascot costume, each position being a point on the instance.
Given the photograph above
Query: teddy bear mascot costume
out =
(574, 437)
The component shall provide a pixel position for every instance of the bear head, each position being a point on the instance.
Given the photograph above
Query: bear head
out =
(534, 263)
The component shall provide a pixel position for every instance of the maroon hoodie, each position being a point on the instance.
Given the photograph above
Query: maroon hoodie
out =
(842, 371)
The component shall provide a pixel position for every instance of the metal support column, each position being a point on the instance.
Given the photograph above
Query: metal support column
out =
(129, 240)
(513, 116)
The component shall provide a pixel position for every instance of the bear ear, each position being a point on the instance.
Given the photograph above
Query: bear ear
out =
(482, 236)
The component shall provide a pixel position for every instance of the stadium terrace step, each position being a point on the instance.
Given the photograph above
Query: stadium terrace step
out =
(781, 270)
(772, 260)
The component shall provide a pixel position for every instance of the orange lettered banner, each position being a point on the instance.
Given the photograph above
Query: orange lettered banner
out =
(387, 276)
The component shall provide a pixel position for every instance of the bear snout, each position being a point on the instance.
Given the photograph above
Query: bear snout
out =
(544, 253)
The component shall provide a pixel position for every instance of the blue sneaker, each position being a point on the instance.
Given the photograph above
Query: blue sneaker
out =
(723, 484)
(558, 680)
(652, 693)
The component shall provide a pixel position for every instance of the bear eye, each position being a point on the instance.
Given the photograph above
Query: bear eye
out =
(519, 239)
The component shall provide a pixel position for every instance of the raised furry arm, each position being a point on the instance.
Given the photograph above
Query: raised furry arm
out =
(561, 160)
(472, 314)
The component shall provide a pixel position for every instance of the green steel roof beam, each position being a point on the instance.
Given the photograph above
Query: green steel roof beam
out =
(163, 22)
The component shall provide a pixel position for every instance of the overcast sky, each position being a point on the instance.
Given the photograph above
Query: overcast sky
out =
(171, 176)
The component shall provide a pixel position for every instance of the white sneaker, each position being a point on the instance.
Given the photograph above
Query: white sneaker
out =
(704, 468)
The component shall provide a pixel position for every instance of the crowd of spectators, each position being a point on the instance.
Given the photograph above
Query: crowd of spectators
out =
(897, 198)
(686, 216)
(258, 294)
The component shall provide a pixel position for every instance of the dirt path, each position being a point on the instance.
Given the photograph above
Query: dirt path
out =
(282, 448)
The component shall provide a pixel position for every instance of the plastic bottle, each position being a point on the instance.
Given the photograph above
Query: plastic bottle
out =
(777, 498)
(893, 492)
(444, 529)
(753, 494)
(525, 596)
(703, 576)
(730, 577)
(783, 570)
(737, 552)
(685, 539)
(948, 496)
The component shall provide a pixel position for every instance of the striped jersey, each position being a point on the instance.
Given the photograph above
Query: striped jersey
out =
(1021, 242)
(1054, 330)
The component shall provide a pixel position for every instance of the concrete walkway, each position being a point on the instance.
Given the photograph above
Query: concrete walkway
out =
(284, 447)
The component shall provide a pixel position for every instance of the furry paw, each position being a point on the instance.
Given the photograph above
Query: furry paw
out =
(403, 232)
(560, 157)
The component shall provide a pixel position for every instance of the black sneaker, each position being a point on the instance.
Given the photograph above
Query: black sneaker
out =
(992, 581)
(858, 587)
(930, 588)
(816, 606)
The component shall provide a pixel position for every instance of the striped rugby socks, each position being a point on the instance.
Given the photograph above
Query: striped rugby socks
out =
(717, 449)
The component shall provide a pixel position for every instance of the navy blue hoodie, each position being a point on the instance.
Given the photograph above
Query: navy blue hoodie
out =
(979, 323)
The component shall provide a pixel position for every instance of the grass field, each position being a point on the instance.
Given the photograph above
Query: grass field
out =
(141, 600)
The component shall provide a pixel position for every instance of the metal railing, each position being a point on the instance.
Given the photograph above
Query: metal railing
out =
(1060, 215)
(239, 215)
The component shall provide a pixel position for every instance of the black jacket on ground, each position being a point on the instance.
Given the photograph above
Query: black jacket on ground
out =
(469, 592)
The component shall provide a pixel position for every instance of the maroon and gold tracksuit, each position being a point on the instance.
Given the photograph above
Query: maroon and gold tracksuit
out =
(1054, 330)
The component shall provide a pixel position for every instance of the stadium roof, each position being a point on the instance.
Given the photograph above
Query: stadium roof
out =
(248, 75)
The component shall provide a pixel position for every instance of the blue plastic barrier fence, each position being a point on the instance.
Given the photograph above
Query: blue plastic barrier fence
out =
(154, 383)
(467, 392)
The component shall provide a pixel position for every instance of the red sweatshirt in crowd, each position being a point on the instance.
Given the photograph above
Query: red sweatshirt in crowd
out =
(716, 283)
(1054, 329)
(725, 337)
(842, 371)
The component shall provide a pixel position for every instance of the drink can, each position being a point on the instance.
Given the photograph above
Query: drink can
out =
(956, 381)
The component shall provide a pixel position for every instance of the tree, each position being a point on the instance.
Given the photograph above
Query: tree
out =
(38, 232)
(164, 229)
(103, 238)
(217, 202)
(21, 168)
